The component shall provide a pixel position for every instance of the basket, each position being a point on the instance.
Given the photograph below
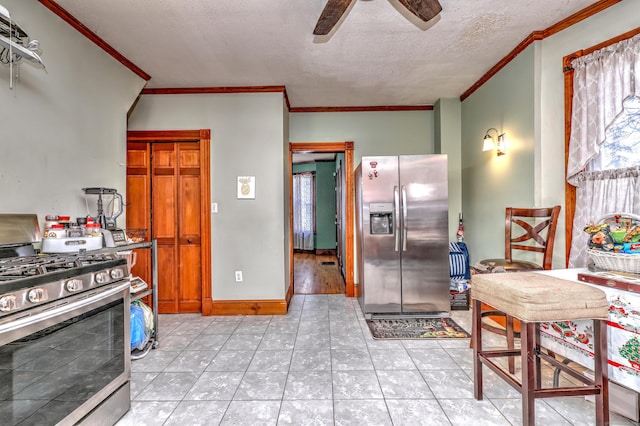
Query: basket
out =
(621, 262)
(136, 235)
(611, 260)
(616, 219)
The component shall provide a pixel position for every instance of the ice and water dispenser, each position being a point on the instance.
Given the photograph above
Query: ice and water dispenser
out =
(381, 218)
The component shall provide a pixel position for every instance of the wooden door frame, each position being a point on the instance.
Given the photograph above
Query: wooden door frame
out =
(203, 137)
(316, 147)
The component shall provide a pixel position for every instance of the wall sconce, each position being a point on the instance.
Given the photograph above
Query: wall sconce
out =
(499, 143)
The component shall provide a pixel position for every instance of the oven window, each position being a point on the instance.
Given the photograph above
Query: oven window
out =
(50, 373)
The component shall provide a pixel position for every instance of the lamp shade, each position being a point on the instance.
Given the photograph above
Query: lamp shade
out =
(501, 146)
(488, 144)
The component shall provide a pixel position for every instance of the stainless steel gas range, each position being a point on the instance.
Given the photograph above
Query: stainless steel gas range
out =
(64, 339)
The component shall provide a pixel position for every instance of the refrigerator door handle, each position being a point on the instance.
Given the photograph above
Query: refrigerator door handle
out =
(404, 218)
(396, 204)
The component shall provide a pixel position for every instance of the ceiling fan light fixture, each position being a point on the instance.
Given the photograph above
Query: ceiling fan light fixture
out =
(426, 10)
(334, 10)
(331, 14)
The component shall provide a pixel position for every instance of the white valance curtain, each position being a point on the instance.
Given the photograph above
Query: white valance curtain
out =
(302, 212)
(602, 81)
(600, 193)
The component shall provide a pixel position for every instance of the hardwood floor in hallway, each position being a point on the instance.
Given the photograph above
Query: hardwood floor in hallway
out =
(317, 274)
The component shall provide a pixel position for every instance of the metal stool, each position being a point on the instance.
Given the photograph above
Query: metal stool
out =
(533, 298)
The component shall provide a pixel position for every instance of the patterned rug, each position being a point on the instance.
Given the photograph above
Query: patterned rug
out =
(416, 328)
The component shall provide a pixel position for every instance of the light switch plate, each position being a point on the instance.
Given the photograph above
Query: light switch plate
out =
(214, 207)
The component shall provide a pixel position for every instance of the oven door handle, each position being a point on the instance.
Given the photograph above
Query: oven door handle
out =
(61, 313)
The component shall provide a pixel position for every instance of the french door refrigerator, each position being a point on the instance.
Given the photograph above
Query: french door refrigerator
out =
(402, 215)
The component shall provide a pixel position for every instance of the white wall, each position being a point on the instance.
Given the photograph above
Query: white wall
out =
(247, 137)
(63, 129)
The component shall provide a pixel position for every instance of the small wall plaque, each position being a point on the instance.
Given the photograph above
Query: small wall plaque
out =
(246, 187)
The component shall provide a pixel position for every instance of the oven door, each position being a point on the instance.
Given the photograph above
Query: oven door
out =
(60, 363)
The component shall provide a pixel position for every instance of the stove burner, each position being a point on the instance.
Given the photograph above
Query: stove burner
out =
(29, 282)
(29, 266)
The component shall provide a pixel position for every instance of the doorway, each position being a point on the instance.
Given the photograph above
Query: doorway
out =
(346, 221)
(168, 181)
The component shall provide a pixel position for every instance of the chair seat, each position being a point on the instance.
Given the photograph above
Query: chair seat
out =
(534, 297)
(504, 265)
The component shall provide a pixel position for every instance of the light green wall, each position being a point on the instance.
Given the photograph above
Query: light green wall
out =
(448, 140)
(526, 100)
(550, 176)
(373, 133)
(247, 138)
(63, 129)
(304, 167)
(491, 183)
(325, 206)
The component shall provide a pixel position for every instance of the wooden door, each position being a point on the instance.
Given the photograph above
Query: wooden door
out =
(176, 225)
(164, 193)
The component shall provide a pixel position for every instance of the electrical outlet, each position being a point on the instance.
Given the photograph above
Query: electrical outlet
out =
(238, 276)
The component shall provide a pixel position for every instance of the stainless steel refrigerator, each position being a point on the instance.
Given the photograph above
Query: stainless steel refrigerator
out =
(402, 216)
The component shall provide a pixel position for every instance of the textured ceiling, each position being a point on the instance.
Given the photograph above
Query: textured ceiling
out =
(378, 55)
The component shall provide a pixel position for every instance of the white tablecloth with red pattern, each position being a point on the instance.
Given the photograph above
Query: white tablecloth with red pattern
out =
(574, 339)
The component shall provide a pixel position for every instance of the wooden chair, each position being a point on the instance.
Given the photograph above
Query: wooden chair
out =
(524, 230)
(528, 230)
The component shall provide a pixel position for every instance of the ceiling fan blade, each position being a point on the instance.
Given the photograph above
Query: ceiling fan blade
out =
(331, 14)
(423, 9)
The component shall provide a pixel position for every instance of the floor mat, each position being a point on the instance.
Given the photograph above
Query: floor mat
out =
(416, 328)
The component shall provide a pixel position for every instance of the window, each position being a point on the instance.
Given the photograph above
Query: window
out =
(603, 162)
(621, 147)
(303, 211)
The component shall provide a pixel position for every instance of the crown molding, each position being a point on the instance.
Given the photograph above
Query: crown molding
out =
(82, 29)
(540, 35)
(363, 108)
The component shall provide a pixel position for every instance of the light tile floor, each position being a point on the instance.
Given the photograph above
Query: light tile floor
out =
(319, 365)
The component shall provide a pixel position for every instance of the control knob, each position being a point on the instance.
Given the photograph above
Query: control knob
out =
(37, 295)
(8, 303)
(117, 274)
(74, 285)
(102, 277)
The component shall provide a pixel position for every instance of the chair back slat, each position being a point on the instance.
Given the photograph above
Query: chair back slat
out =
(522, 225)
(527, 248)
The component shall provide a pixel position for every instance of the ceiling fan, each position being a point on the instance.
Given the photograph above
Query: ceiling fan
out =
(334, 9)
